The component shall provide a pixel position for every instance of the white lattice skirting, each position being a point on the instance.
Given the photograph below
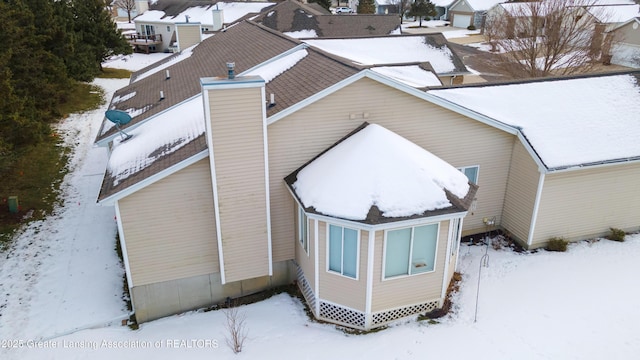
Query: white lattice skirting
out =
(341, 315)
(306, 289)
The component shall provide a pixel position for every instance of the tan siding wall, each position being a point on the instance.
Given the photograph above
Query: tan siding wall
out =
(337, 288)
(415, 289)
(627, 34)
(461, 141)
(521, 193)
(159, 219)
(585, 203)
(306, 262)
(238, 148)
(187, 35)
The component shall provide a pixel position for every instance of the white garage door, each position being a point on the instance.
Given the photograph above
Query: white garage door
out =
(461, 21)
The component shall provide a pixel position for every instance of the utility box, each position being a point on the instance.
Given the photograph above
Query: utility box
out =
(13, 204)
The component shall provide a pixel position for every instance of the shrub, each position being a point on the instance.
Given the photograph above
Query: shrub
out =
(616, 234)
(471, 27)
(557, 244)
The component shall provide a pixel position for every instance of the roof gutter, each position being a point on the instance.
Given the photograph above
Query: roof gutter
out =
(595, 165)
(111, 199)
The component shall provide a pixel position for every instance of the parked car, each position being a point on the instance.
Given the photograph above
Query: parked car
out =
(343, 9)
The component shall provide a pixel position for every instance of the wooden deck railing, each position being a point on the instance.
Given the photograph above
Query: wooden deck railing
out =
(138, 38)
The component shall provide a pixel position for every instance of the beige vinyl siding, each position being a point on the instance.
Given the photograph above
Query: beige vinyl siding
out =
(520, 198)
(340, 289)
(628, 35)
(408, 290)
(187, 35)
(169, 227)
(238, 149)
(584, 203)
(306, 262)
(461, 141)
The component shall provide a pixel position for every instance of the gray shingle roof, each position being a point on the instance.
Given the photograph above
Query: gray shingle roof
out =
(290, 16)
(247, 44)
(314, 73)
(175, 7)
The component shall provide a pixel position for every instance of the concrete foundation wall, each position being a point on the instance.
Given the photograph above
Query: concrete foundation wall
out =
(153, 301)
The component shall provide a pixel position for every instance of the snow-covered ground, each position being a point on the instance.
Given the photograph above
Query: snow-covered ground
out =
(63, 274)
(134, 62)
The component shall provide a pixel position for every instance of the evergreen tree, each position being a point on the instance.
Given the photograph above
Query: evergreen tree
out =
(421, 9)
(366, 7)
(97, 38)
(42, 56)
(37, 75)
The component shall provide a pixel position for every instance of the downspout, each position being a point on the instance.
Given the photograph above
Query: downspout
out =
(369, 291)
(536, 206)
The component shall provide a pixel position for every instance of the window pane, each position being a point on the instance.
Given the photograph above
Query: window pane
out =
(335, 248)
(350, 256)
(472, 174)
(303, 233)
(424, 248)
(397, 252)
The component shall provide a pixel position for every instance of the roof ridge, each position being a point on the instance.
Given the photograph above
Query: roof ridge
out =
(538, 80)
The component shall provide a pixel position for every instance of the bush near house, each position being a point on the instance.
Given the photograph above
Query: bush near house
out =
(557, 244)
(616, 234)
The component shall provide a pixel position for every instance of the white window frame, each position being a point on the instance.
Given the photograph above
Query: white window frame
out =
(384, 252)
(303, 229)
(462, 169)
(328, 252)
(456, 232)
(148, 30)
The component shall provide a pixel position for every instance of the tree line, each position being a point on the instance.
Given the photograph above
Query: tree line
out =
(48, 46)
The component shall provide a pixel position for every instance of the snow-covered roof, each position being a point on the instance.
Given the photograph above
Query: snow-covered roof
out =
(412, 75)
(442, 3)
(300, 34)
(377, 167)
(479, 5)
(269, 70)
(167, 133)
(615, 13)
(232, 11)
(525, 8)
(573, 122)
(393, 50)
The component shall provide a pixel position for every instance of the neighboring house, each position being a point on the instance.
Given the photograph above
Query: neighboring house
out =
(121, 14)
(302, 21)
(158, 29)
(516, 17)
(384, 7)
(606, 19)
(464, 13)
(626, 48)
(442, 7)
(309, 165)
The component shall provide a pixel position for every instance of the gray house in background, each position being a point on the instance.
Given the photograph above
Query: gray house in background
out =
(464, 13)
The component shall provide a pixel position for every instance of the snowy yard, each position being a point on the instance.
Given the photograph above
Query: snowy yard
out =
(61, 287)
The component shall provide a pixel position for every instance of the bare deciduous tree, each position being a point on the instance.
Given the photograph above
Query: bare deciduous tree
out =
(236, 327)
(403, 7)
(548, 37)
(126, 5)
